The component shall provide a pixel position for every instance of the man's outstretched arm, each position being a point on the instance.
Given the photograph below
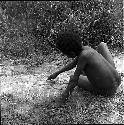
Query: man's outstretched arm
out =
(66, 68)
(69, 66)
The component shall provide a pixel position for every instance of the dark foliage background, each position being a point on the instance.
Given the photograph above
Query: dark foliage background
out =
(30, 27)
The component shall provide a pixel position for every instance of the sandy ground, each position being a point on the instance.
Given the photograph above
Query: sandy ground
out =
(27, 98)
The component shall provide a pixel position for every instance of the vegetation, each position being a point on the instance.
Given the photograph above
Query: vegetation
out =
(27, 31)
(30, 27)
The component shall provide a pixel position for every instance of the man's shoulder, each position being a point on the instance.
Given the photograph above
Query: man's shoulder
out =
(87, 53)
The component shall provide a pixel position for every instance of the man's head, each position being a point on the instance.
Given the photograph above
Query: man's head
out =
(69, 43)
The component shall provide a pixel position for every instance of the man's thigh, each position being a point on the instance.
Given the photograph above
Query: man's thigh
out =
(85, 84)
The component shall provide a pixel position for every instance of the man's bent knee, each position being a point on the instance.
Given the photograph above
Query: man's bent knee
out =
(102, 44)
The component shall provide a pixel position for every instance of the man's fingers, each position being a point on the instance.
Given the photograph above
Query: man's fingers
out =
(49, 78)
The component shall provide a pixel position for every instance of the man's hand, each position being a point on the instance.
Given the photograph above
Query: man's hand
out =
(53, 76)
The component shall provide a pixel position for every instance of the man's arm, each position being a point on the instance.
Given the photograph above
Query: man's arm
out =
(68, 66)
(74, 81)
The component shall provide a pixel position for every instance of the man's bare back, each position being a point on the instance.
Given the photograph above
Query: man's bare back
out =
(99, 71)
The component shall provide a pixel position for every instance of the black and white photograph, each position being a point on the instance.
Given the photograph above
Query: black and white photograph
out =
(62, 62)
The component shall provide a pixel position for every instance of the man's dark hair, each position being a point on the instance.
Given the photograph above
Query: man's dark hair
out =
(69, 41)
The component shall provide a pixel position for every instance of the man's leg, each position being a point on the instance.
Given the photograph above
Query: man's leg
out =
(104, 51)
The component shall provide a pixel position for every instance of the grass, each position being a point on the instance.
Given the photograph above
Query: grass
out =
(28, 99)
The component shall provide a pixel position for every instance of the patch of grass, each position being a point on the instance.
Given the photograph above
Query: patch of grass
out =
(38, 108)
